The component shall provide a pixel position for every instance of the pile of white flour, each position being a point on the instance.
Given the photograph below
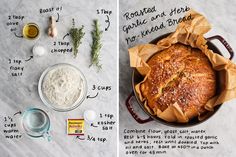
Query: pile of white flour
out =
(63, 86)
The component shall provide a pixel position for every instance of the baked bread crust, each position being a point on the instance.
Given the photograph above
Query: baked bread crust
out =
(182, 75)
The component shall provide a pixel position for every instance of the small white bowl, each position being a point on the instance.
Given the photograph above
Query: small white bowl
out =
(90, 116)
(38, 50)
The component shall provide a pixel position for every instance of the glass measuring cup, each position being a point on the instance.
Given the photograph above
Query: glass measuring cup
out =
(36, 123)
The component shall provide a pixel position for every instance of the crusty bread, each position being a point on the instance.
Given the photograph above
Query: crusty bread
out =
(179, 74)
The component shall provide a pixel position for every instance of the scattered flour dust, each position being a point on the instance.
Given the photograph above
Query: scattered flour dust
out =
(63, 86)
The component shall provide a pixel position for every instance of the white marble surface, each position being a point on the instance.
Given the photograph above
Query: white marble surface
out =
(19, 93)
(221, 15)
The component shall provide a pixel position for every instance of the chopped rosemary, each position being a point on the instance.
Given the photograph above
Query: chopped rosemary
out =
(76, 34)
(96, 46)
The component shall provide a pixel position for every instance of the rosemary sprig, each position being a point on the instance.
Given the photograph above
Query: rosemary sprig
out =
(96, 45)
(76, 34)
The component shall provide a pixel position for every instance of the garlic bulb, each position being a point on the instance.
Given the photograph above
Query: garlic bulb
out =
(52, 30)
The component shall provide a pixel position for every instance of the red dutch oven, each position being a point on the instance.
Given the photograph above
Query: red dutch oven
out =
(137, 78)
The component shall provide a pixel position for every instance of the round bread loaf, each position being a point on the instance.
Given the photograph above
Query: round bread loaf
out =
(180, 74)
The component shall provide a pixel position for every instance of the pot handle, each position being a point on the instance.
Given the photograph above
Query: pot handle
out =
(225, 43)
(133, 114)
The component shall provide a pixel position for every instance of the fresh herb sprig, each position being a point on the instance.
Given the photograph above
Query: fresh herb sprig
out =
(96, 45)
(76, 34)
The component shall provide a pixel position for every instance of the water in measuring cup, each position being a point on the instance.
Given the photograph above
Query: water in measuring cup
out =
(35, 122)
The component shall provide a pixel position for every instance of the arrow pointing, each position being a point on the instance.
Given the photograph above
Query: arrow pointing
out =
(107, 21)
(19, 112)
(29, 58)
(92, 96)
(79, 137)
(18, 36)
(57, 17)
(66, 35)
(93, 125)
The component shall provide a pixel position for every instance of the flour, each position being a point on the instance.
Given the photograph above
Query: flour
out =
(63, 86)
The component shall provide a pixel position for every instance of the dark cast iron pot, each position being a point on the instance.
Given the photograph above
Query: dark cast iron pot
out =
(136, 78)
